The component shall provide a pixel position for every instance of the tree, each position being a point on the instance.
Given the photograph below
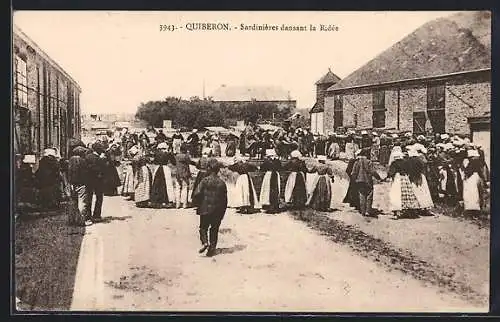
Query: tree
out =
(198, 113)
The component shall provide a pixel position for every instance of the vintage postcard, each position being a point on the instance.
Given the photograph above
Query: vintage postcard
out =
(314, 161)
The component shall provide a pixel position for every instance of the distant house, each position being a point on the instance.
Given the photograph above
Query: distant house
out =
(317, 111)
(434, 79)
(245, 94)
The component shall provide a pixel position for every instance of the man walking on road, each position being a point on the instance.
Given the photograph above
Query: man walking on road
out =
(363, 173)
(95, 163)
(211, 200)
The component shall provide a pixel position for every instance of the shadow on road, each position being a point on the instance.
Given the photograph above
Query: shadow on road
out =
(107, 220)
(225, 231)
(230, 250)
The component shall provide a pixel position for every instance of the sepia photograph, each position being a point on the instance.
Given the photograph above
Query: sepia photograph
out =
(251, 161)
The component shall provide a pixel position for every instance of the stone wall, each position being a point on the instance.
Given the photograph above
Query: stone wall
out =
(463, 101)
(411, 99)
(464, 97)
(358, 106)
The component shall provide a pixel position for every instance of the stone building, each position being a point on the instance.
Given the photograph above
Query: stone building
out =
(432, 80)
(317, 111)
(46, 100)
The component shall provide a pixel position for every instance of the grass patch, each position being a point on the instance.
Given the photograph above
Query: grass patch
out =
(46, 257)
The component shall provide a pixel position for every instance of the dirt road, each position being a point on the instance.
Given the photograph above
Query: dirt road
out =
(146, 259)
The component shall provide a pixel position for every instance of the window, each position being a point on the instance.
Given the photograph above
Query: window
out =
(338, 112)
(419, 120)
(378, 117)
(436, 106)
(21, 82)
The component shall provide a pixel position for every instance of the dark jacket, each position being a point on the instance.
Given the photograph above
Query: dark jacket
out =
(363, 171)
(211, 196)
(77, 170)
(95, 170)
(295, 165)
(271, 165)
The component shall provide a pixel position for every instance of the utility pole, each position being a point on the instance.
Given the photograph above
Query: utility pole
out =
(203, 88)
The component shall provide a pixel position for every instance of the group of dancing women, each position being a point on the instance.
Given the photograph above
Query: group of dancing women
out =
(160, 179)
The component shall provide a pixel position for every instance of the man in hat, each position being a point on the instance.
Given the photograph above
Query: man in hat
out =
(77, 177)
(95, 175)
(363, 173)
(211, 200)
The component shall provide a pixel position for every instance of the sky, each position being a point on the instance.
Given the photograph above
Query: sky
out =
(121, 59)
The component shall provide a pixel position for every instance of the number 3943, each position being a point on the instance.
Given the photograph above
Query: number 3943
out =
(167, 27)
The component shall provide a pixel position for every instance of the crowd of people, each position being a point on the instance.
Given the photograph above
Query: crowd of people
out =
(157, 170)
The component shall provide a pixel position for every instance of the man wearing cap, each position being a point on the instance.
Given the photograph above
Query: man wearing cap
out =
(77, 178)
(95, 172)
(211, 202)
(363, 173)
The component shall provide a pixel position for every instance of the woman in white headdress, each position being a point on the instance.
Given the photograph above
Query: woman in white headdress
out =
(321, 195)
(474, 185)
(244, 194)
(215, 145)
(295, 189)
(416, 174)
(162, 188)
(395, 150)
(130, 170)
(143, 183)
(271, 184)
(401, 195)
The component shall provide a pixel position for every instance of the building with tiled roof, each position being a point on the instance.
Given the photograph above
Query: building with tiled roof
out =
(242, 94)
(434, 79)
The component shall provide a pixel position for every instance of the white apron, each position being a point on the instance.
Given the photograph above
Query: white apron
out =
(471, 193)
(242, 193)
(265, 190)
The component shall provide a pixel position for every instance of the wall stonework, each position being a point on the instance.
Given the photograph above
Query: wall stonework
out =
(412, 99)
(391, 106)
(463, 101)
(360, 105)
(466, 96)
(328, 114)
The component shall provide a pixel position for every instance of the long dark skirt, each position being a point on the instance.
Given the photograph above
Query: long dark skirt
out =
(231, 149)
(352, 195)
(159, 193)
(299, 194)
(111, 181)
(322, 195)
